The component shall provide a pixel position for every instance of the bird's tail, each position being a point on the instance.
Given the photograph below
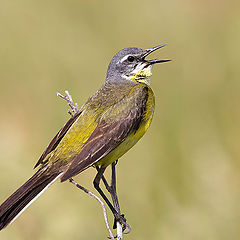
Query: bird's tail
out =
(24, 196)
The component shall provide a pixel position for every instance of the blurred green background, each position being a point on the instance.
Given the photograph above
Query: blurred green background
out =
(182, 180)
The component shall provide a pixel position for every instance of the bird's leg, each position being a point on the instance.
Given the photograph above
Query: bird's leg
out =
(96, 183)
(118, 217)
(112, 190)
(107, 186)
(105, 182)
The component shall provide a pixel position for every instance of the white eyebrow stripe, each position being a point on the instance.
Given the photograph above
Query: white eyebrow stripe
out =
(124, 58)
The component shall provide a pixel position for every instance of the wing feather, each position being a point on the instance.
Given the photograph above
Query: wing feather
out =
(55, 141)
(113, 128)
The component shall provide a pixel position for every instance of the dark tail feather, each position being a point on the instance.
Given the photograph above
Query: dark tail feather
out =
(24, 196)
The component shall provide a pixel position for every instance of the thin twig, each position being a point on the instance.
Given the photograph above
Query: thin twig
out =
(74, 110)
(74, 106)
(119, 231)
(99, 200)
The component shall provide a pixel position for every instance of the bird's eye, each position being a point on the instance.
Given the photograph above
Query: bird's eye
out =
(130, 58)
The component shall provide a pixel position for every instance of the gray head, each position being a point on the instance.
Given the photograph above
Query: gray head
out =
(130, 63)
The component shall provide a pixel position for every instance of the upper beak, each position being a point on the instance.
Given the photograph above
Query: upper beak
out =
(150, 50)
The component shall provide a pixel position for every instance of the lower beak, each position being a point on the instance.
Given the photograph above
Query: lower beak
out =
(150, 50)
(158, 61)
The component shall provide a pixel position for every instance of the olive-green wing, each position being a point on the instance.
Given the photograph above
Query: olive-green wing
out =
(55, 141)
(114, 127)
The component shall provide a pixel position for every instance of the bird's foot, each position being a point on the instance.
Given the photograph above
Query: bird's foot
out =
(122, 220)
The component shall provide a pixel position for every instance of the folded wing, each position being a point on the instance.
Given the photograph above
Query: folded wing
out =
(116, 124)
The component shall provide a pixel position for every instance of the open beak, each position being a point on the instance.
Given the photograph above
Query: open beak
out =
(150, 50)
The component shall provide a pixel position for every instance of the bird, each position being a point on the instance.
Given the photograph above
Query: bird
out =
(111, 122)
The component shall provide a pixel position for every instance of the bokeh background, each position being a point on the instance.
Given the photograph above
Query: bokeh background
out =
(182, 180)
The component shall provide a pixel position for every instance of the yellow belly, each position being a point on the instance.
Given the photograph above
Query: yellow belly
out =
(133, 138)
(130, 141)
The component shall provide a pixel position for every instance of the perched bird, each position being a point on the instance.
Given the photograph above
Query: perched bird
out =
(105, 127)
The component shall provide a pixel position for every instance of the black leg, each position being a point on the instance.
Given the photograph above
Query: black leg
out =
(105, 181)
(96, 183)
(112, 190)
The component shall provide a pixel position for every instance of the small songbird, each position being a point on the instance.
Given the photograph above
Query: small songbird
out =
(105, 127)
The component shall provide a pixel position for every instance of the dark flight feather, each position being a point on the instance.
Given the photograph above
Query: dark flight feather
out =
(23, 196)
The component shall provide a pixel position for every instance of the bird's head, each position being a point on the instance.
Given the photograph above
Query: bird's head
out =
(130, 64)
